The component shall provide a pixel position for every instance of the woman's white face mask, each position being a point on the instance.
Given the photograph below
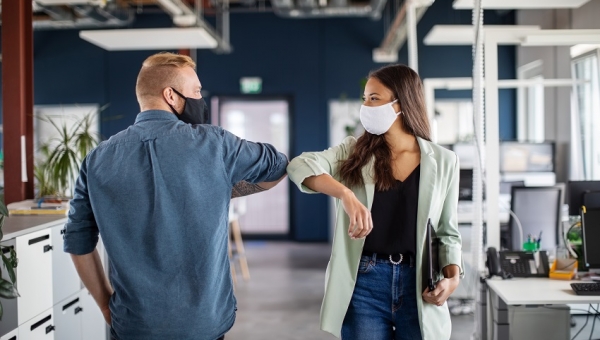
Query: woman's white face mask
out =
(378, 119)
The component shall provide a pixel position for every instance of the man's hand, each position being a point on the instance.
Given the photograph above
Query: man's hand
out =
(91, 273)
(361, 222)
(106, 313)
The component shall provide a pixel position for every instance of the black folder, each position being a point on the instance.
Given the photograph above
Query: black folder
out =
(431, 266)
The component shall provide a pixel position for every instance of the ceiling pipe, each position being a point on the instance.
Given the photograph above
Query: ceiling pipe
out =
(286, 8)
(83, 23)
(397, 34)
(184, 16)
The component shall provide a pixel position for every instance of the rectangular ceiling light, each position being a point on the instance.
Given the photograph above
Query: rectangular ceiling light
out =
(447, 35)
(520, 4)
(562, 37)
(150, 38)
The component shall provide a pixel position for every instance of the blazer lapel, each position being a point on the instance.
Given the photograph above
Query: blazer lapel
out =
(368, 178)
(427, 184)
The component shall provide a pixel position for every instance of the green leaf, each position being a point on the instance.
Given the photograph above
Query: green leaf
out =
(8, 264)
(1, 310)
(3, 209)
(8, 290)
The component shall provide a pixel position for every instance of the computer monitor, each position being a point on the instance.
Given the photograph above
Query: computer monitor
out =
(538, 210)
(506, 187)
(591, 238)
(526, 157)
(465, 185)
(576, 190)
(467, 154)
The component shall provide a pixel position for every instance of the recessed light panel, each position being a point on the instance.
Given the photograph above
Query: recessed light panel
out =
(150, 39)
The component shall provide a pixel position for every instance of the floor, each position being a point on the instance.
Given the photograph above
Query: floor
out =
(283, 297)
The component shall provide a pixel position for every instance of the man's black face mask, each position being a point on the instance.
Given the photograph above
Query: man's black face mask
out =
(195, 111)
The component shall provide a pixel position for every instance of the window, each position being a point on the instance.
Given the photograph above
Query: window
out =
(530, 123)
(266, 120)
(585, 139)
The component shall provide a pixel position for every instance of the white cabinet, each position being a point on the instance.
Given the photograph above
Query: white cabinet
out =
(13, 335)
(67, 318)
(34, 274)
(65, 281)
(40, 327)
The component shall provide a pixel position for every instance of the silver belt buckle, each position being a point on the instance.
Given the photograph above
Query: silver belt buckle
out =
(399, 261)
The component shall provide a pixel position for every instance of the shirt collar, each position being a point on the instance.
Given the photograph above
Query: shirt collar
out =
(155, 115)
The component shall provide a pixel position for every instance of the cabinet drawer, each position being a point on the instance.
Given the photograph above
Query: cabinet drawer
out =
(40, 327)
(65, 281)
(34, 274)
(12, 335)
(67, 318)
(9, 318)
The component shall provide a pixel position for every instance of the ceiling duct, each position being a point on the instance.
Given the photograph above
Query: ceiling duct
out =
(306, 9)
(398, 31)
(77, 15)
(184, 16)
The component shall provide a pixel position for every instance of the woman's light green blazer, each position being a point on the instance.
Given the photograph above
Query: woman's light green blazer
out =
(438, 199)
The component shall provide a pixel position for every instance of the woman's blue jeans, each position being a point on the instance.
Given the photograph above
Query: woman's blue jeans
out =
(384, 302)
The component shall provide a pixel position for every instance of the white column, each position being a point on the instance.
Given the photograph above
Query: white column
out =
(411, 19)
(492, 141)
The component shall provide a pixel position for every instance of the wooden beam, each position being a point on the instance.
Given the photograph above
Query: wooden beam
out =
(17, 94)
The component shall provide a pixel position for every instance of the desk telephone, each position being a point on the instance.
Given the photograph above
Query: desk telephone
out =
(508, 263)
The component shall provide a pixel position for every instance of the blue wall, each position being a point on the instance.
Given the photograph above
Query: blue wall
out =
(312, 61)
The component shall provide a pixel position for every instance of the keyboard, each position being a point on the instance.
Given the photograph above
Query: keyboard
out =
(586, 288)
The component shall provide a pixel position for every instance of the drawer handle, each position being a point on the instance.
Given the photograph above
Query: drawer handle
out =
(49, 329)
(47, 248)
(65, 307)
(41, 322)
(78, 310)
(39, 239)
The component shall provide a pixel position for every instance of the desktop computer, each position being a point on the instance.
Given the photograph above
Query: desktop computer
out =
(577, 191)
(465, 185)
(590, 227)
(538, 210)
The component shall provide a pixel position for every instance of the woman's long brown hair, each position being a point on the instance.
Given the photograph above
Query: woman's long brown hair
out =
(407, 88)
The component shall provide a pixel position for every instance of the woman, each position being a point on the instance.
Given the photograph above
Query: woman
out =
(389, 182)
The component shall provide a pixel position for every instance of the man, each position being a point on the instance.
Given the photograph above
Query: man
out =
(158, 193)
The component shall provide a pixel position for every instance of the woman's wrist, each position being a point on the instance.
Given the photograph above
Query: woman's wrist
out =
(451, 272)
(345, 193)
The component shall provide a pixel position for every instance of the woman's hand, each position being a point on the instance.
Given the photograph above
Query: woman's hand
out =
(361, 222)
(443, 289)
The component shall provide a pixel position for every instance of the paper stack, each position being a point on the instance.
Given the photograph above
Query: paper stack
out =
(34, 207)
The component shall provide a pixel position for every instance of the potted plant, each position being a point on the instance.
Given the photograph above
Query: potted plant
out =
(8, 289)
(61, 156)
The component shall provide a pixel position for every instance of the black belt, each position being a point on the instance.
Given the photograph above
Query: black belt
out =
(394, 258)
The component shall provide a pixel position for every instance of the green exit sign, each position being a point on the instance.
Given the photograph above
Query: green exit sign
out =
(251, 85)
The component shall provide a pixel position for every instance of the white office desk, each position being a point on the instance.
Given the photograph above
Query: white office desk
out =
(538, 291)
(529, 292)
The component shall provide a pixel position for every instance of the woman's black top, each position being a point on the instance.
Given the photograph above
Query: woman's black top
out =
(394, 214)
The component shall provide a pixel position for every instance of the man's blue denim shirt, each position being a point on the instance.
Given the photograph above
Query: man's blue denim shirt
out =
(158, 193)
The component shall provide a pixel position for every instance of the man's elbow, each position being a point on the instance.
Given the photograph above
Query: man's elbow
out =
(270, 185)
